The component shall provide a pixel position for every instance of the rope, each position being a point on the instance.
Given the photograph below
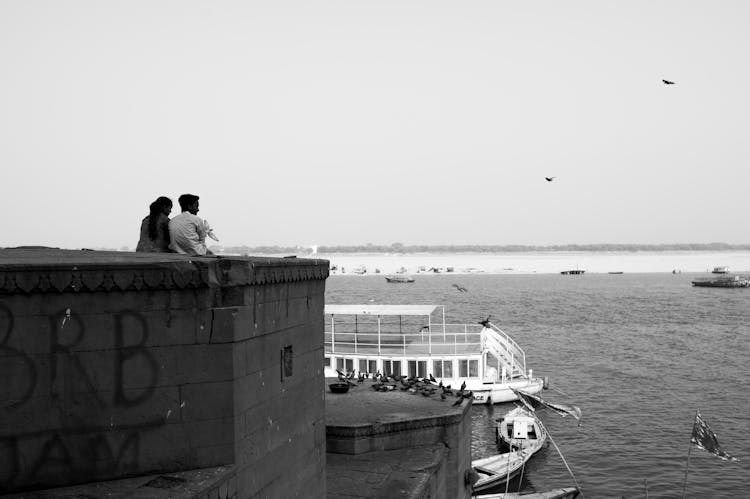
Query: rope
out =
(563, 459)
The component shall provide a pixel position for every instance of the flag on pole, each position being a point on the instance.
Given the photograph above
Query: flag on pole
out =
(704, 438)
(522, 397)
(561, 409)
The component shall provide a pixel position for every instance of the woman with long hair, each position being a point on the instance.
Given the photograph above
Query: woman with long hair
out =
(155, 227)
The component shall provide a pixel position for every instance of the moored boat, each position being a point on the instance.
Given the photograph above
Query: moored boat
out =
(720, 270)
(520, 429)
(562, 493)
(498, 469)
(415, 341)
(572, 272)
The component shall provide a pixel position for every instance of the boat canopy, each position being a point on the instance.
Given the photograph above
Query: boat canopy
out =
(393, 310)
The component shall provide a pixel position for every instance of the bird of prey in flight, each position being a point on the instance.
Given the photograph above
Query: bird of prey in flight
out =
(549, 179)
(667, 82)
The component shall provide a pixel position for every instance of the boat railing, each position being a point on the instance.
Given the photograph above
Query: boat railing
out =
(505, 349)
(437, 339)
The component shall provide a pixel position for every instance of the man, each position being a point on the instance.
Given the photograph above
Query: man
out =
(187, 232)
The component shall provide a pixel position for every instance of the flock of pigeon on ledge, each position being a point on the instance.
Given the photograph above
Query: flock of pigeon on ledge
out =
(426, 386)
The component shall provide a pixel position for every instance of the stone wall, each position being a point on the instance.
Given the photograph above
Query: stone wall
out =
(123, 364)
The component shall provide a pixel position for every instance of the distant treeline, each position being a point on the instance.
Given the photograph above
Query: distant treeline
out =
(474, 248)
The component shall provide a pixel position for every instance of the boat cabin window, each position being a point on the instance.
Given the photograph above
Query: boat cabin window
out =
(345, 365)
(468, 368)
(368, 366)
(392, 367)
(442, 368)
(417, 368)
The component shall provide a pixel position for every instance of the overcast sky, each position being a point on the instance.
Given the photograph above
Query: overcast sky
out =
(347, 122)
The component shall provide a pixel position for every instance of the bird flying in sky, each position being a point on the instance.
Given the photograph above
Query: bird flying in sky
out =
(667, 82)
(549, 179)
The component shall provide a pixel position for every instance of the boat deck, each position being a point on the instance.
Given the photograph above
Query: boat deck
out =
(404, 345)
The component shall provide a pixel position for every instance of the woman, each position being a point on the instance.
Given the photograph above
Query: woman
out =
(155, 227)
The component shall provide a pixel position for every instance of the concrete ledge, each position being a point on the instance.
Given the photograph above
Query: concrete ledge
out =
(207, 483)
(33, 270)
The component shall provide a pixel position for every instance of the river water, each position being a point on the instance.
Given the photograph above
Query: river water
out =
(639, 353)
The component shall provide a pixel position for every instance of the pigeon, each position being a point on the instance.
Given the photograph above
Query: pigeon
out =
(549, 179)
(432, 378)
(458, 402)
(463, 385)
(460, 288)
(667, 82)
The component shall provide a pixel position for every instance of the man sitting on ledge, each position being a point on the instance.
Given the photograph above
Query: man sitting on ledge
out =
(187, 231)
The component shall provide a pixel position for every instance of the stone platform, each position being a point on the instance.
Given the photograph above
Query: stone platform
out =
(396, 444)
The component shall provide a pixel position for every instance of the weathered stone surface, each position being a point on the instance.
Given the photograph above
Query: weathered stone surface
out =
(124, 363)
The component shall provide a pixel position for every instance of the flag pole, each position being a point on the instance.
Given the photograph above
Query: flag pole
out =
(690, 448)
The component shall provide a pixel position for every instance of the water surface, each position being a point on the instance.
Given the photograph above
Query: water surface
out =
(639, 353)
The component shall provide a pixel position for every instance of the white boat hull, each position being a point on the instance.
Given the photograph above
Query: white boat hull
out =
(498, 392)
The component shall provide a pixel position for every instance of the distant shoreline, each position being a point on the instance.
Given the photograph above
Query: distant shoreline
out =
(479, 249)
(549, 262)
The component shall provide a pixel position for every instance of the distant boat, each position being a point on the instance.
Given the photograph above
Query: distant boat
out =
(724, 281)
(720, 270)
(572, 272)
(360, 270)
(616, 272)
(399, 278)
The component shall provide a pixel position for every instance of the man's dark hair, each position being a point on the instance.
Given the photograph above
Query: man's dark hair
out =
(186, 200)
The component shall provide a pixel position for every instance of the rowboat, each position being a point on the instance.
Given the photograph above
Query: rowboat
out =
(520, 429)
(415, 341)
(563, 493)
(498, 469)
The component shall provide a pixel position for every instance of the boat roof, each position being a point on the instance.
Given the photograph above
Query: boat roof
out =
(380, 309)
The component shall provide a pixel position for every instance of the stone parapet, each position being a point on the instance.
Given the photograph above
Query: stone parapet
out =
(126, 364)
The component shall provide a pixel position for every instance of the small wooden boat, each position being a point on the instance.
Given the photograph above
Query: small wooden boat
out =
(399, 278)
(563, 493)
(496, 470)
(520, 429)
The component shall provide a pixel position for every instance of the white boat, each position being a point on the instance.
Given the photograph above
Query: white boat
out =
(563, 493)
(415, 341)
(520, 429)
(498, 469)
(720, 270)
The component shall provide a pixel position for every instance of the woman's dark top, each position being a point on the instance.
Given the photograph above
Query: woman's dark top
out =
(161, 243)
